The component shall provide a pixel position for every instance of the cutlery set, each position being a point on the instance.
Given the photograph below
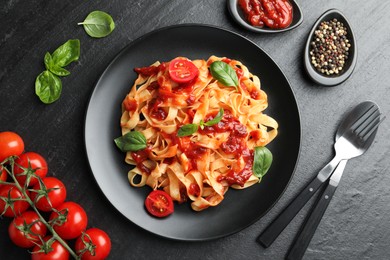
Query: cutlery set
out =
(354, 136)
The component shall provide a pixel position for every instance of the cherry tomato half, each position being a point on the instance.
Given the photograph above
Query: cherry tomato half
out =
(159, 203)
(99, 239)
(18, 229)
(10, 144)
(56, 194)
(75, 223)
(19, 206)
(182, 70)
(37, 162)
(58, 252)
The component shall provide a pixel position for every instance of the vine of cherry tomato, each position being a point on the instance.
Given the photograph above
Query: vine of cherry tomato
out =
(18, 229)
(97, 237)
(68, 220)
(76, 220)
(10, 144)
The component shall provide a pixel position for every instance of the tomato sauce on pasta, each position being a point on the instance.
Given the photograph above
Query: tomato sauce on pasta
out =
(202, 166)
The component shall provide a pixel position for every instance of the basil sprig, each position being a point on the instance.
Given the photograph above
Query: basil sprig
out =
(98, 24)
(131, 142)
(189, 129)
(262, 161)
(48, 86)
(224, 73)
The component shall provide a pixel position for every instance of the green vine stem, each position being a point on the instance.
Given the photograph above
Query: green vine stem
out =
(27, 198)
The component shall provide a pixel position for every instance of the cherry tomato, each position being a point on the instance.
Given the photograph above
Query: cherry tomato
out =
(159, 203)
(56, 193)
(3, 174)
(58, 253)
(18, 229)
(37, 162)
(75, 223)
(99, 239)
(182, 70)
(10, 144)
(19, 206)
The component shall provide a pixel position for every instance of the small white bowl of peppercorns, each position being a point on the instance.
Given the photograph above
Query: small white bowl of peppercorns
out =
(330, 51)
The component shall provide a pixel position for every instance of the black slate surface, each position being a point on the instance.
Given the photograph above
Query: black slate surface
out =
(357, 222)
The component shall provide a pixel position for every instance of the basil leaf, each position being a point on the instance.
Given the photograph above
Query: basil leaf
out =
(48, 60)
(262, 161)
(216, 119)
(224, 73)
(131, 142)
(188, 129)
(66, 53)
(48, 87)
(98, 24)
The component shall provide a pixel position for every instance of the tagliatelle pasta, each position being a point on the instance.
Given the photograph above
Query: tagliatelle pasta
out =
(199, 167)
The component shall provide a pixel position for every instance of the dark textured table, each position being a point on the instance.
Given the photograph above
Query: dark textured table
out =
(357, 222)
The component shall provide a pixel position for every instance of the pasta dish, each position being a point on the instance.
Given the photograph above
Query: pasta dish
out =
(196, 128)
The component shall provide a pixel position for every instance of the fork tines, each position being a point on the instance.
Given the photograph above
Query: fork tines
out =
(367, 123)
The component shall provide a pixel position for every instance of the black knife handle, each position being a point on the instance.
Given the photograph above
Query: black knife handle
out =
(268, 236)
(305, 235)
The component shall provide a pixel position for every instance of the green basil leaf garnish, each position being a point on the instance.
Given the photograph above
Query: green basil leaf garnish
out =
(48, 87)
(98, 24)
(186, 130)
(66, 53)
(262, 161)
(131, 142)
(224, 73)
(216, 119)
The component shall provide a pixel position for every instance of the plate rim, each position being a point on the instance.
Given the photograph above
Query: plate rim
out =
(108, 67)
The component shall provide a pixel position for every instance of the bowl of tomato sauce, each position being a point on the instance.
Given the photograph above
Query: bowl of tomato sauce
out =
(266, 16)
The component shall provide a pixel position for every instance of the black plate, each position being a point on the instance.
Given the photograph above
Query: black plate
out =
(240, 208)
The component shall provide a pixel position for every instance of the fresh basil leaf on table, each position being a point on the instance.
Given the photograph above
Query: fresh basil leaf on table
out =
(187, 130)
(48, 87)
(49, 64)
(66, 53)
(262, 161)
(224, 73)
(131, 142)
(98, 24)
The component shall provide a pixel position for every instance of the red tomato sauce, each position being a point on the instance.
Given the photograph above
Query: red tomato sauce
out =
(234, 177)
(140, 156)
(275, 14)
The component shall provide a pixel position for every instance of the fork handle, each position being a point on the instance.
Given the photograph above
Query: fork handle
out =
(269, 235)
(305, 235)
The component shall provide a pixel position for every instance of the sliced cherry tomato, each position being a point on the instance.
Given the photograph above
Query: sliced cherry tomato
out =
(19, 206)
(56, 194)
(10, 144)
(25, 229)
(75, 222)
(99, 239)
(182, 70)
(58, 252)
(159, 203)
(37, 162)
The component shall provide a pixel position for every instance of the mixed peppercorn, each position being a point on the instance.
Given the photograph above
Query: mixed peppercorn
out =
(329, 49)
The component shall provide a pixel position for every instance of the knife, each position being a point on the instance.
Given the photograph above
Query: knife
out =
(310, 225)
